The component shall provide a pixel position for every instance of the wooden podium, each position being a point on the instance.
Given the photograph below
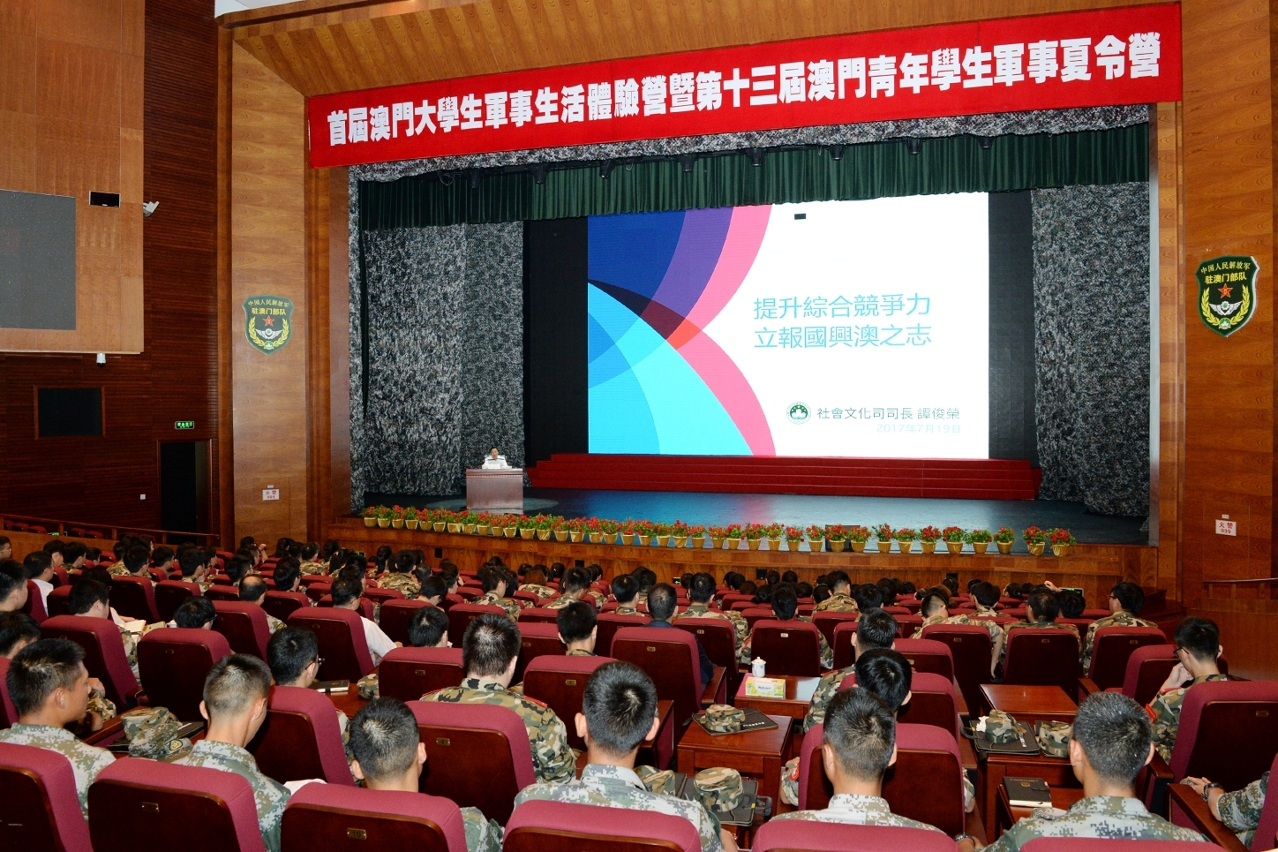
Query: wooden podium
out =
(495, 490)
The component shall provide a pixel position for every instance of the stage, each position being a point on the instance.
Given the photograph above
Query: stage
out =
(802, 509)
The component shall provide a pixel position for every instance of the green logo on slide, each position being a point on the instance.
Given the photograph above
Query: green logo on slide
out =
(798, 413)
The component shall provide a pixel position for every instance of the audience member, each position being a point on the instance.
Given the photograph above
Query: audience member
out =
(91, 598)
(194, 564)
(1240, 810)
(310, 559)
(1126, 600)
(496, 582)
(162, 558)
(535, 583)
(785, 606)
(625, 591)
(1197, 652)
(427, 628)
(253, 590)
(38, 566)
(399, 576)
(577, 629)
(935, 611)
(347, 591)
(701, 590)
(293, 658)
(196, 612)
(663, 604)
(875, 629)
(6, 548)
(13, 586)
(1041, 610)
(288, 575)
(17, 631)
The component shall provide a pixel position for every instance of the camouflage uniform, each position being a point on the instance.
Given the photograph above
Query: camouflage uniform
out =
(598, 597)
(826, 689)
(398, 581)
(1122, 618)
(928, 622)
(313, 567)
(100, 704)
(86, 760)
(482, 834)
(627, 609)
(827, 656)
(1240, 810)
(1116, 817)
(790, 786)
(273, 623)
(367, 687)
(271, 796)
(837, 602)
(117, 569)
(740, 628)
(1164, 712)
(855, 809)
(1031, 625)
(617, 787)
(542, 592)
(511, 605)
(990, 627)
(560, 602)
(553, 760)
(577, 652)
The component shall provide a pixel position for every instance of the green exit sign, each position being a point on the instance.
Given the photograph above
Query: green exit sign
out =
(184, 424)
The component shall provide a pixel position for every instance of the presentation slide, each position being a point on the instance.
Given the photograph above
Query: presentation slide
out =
(836, 328)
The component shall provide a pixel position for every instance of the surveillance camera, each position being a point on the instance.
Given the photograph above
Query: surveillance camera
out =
(148, 207)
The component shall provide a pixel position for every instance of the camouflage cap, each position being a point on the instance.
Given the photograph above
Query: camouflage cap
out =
(1053, 737)
(152, 733)
(723, 719)
(719, 789)
(1002, 727)
(657, 781)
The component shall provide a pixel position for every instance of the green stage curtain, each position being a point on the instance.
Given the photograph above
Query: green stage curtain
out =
(870, 170)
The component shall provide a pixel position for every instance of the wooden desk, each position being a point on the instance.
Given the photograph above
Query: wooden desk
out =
(755, 754)
(1056, 771)
(348, 702)
(500, 489)
(798, 695)
(1029, 704)
(1062, 798)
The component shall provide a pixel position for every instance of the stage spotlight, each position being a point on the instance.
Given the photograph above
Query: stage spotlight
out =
(539, 173)
(474, 178)
(913, 145)
(836, 152)
(687, 161)
(987, 142)
(756, 157)
(605, 169)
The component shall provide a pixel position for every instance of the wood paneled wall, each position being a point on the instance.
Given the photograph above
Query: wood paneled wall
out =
(71, 122)
(175, 377)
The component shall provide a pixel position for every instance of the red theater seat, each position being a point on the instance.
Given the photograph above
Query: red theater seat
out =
(539, 615)
(927, 655)
(670, 658)
(365, 605)
(1043, 657)
(560, 683)
(1227, 732)
(719, 638)
(39, 806)
(972, 651)
(607, 625)
(173, 663)
(244, 625)
(1147, 670)
(301, 739)
(378, 597)
(478, 755)
(8, 714)
(932, 702)
(1113, 647)
(144, 804)
(170, 594)
(792, 835)
(790, 647)
(410, 673)
(58, 602)
(342, 819)
(104, 655)
(826, 622)
(537, 639)
(1188, 810)
(283, 604)
(541, 826)
(134, 597)
(222, 592)
(395, 616)
(461, 615)
(341, 641)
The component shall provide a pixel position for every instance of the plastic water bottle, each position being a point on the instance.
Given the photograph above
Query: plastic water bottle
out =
(758, 667)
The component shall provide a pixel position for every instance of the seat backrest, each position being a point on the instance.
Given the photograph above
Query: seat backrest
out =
(932, 702)
(1092, 844)
(342, 819)
(169, 596)
(755, 614)
(927, 655)
(1147, 670)
(1112, 647)
(59, 601)
(827, 621)
(717, 636)
(542, 826)
(318, 591)
(365, 604)
(222, 592)
(301, 739)
(342, 643)
(34, 606)
(461, 615)
(478, 755)
(908, 625)
(789, 647)
(8, 715)
(536, 639)
(378, 596)
(608, 623)
(104, 655)
(670, 658)
(1267, 827)
(792, 835)
(1044, 657)
(173, 663)
(244, 625)
(134, 597)
(469, 592)
(146, 804)
(39, 806)
(971, 649)
(844, 654)
(395, 616)
(1228, 732)
(560, 683)
(282, 604)
(410, 673)
(539, 614)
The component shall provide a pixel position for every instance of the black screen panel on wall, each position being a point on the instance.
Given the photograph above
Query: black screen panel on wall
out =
(37, 261)
(68, 412)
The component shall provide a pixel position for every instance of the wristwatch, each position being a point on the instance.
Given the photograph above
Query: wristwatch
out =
(1207, 787)
(959, 838)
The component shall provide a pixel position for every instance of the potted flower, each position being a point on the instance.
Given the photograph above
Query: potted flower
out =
(576, 530)
(816, 538)
(773, 533)
(370, 516)
(1004, 538)
(662, 534)
(397, 517)
(733, 536)
(717, 535)
(929, 536)
(953, 537)
(1061, 540)
(643, 532)
(469, 522)
(857, 536)
(836, 536)
(454, 522)
(679, 531)
(410, 518)
(541, 525)
(496, 525)
(611, 531)
(753, 535)
(1035, 538)
(439, 520)
(979, 539)
(593, 530)
(793, 537)
(698, 535)
(883, 535)
(905, 539)
(510, 526)
(383, 517)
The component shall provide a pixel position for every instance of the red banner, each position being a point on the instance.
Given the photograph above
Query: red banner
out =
(1116, 56)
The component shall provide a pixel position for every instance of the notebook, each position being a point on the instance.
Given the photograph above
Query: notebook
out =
(1027, 792)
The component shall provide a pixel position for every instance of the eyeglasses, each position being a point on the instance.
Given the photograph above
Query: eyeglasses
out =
(319, 661)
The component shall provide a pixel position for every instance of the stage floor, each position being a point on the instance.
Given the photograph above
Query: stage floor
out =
(802, 510)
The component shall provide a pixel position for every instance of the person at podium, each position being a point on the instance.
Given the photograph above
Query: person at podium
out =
(495, 461)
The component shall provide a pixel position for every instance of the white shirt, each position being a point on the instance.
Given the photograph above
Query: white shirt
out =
(45, 587)
(498, 463)
(379, 644)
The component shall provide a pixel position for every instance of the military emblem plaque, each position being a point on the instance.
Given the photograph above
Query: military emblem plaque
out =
(1227, 292)
(268, 322)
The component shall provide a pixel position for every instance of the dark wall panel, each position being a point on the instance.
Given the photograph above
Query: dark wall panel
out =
(1012, 434)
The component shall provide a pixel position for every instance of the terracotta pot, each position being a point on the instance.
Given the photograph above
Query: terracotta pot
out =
(680, 540)
(411, 523)
(595, 537)
(510, 532)
(774, 544)
(816, 545)
(1004, 546)
(469, 529)
(610, 538)
(644, 540)
(627, 538)
(440, 526)
(544, 535)
(980, 547)
(527, 533)
(454, 528)
(734, 543)
(698, 541)
(370, 521)
(494, 531)
(752, 543)
(1035, 548)
(716, 543)
(904, 546)
(954, 546)
(793, 543)
(857, 546)
(383, 522)
(837, 544)
(884, 544)
(663, 541)
(928, 546)
(574, 535)
(481, 529)
(1060, 549)
(561, 535)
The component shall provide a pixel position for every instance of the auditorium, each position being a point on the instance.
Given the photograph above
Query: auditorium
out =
(638, 425)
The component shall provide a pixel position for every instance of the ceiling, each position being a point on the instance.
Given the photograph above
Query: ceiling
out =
(324, 46)
(221, 7)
